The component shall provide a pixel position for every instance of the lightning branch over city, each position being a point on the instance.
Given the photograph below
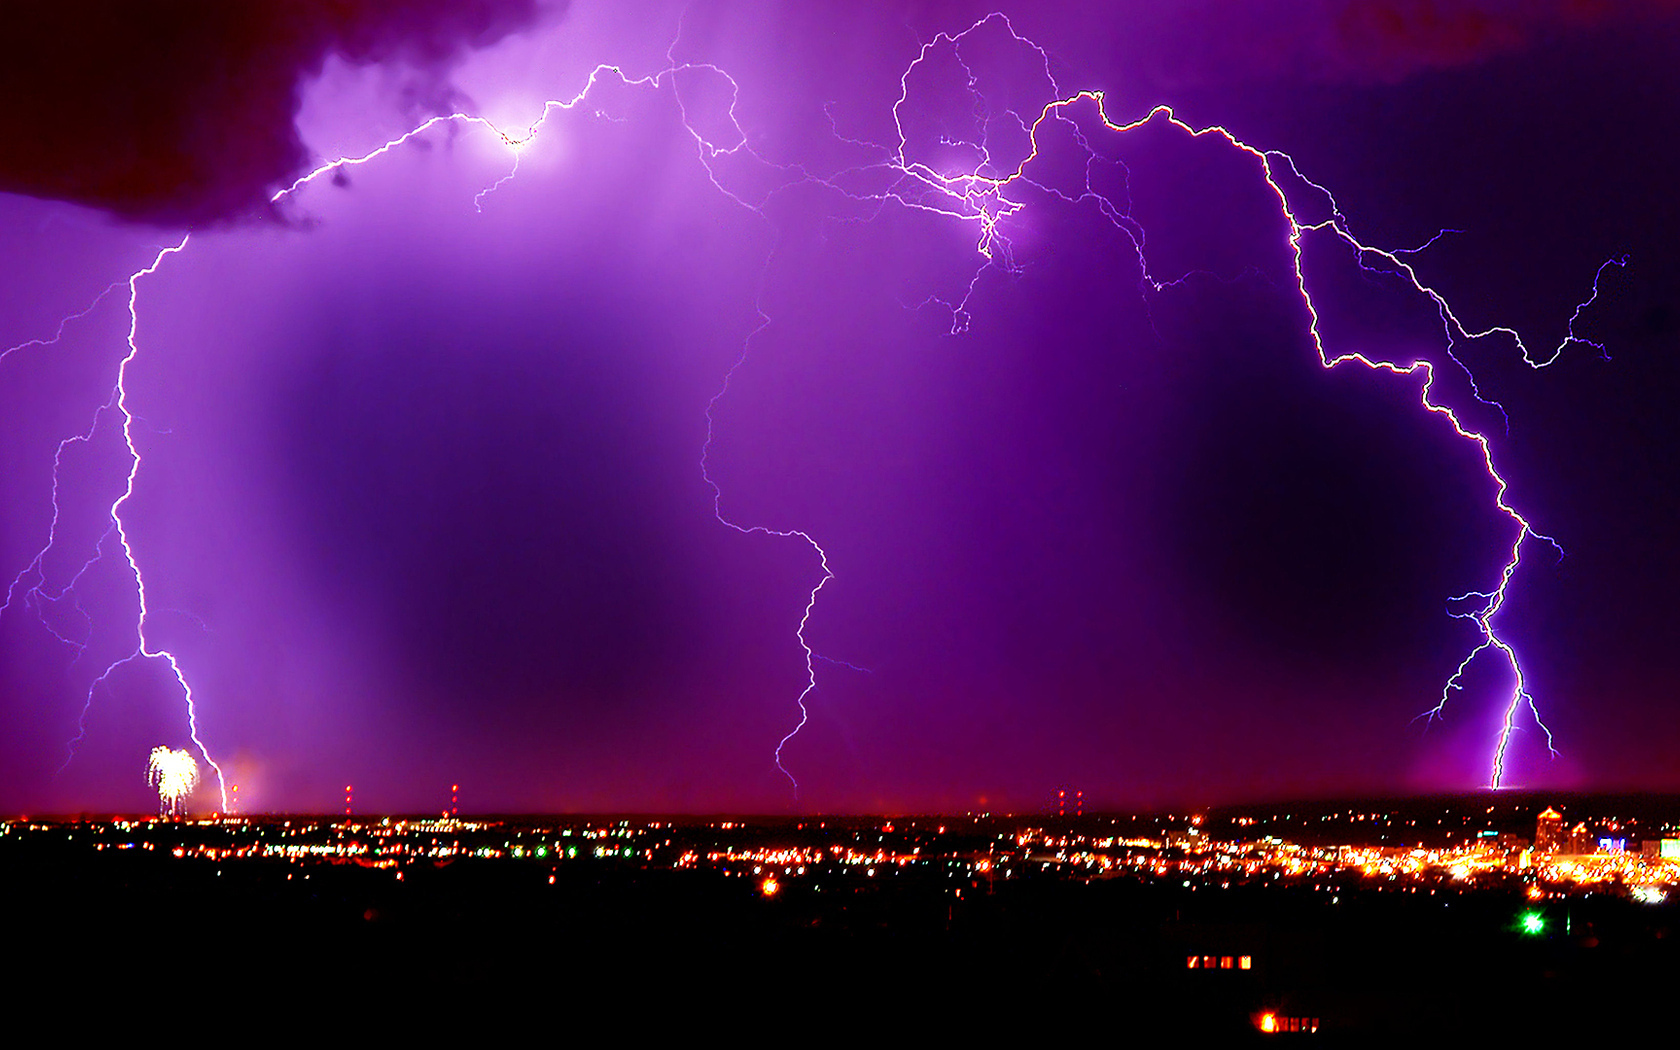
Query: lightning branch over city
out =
(985, 181)
(984, 200)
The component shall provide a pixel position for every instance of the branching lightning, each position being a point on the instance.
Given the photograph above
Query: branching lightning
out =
(822, 556)
(122, 529)
(36, 592)
(981, 193)
(984, 199)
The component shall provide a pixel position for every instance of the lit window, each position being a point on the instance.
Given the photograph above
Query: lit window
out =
(1270, 1022)
(1246, 962)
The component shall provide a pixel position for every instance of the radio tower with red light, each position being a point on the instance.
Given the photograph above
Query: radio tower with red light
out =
(1078, 798)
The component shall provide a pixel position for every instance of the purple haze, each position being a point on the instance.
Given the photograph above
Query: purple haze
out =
(421, 499)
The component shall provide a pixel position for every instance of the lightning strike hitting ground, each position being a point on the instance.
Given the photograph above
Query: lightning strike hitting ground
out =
(122, 531)
(980, 193)
(984, 200)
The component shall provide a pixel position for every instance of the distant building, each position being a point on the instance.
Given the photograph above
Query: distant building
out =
(1548, 832)
(1491, 841)
(1581, 839)
(1190, 839)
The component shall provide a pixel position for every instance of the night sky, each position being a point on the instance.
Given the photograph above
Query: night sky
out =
(431, 478)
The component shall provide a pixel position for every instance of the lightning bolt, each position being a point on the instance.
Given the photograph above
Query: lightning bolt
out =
(708, 152)
(36, 593)
(118, 526)
(982, 194)
(141, 649)
(515, 141)
(984, 199)
(811, 656)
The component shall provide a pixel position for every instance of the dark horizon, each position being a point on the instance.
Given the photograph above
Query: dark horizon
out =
(1646, 802)
(526, 482)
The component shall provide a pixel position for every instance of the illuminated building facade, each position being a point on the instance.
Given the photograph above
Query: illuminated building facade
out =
(1582, 840)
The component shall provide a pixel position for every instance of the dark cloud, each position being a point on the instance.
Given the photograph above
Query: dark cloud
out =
(180, 112)
(1171, 48)
(1393, 39)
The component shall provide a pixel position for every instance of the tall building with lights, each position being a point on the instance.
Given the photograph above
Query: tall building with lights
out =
(1582, 840)
(1548, 832)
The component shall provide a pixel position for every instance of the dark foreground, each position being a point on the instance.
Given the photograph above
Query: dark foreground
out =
(698, 952)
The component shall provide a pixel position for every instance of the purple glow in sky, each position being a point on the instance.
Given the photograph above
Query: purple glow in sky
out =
(901, 374)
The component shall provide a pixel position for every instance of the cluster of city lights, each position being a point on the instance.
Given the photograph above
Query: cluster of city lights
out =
(777, 860)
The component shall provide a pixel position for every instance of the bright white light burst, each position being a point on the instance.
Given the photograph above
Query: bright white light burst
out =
(175, 773)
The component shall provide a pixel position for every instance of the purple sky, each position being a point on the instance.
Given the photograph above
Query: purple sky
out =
(421, 497)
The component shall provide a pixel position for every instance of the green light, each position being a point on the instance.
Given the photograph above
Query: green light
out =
(1533, 922)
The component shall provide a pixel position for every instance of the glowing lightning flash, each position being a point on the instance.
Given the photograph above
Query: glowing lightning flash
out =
(175, 773)
(122, 528)
(981, 195)
(984, 200)
(516, 142)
